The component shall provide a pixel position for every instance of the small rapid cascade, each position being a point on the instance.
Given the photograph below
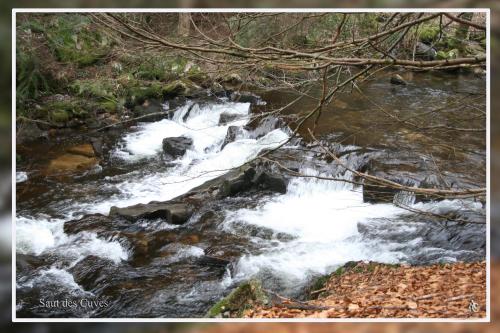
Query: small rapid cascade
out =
(284, 239)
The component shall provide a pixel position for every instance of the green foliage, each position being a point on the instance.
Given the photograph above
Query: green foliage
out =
(429, 33)
(73, 41)
(447, 55)
(31, 81)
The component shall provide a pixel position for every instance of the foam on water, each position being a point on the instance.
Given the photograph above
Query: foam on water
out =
(322, 216)
(21, 176)
(40, 235)
(202, 162)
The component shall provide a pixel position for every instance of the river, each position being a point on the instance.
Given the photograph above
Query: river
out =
(286, 240)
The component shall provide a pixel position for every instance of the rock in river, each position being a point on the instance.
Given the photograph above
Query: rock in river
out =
(398, 80)
(176, 146)
(232, 133)
(175, 213)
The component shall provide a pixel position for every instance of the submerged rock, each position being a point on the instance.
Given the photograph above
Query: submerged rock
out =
(176, 146)
(175, 213)
(70, 163)
(83, 150)
(248, 294)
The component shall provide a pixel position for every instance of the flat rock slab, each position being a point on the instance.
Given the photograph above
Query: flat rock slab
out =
(70, 163)
(175, 213)
(85, 149)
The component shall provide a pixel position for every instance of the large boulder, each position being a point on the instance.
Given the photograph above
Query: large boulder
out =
(232, 133)
(175, 213)
(176, 146)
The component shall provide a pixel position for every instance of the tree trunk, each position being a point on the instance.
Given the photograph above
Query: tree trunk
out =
(184, 24)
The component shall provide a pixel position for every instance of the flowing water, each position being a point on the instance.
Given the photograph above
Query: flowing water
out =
(284, 239)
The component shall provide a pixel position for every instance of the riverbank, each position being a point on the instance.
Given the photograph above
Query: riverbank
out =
(372, 290)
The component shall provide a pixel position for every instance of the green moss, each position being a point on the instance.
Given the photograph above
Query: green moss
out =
(58, 116)
(246, 295)
(447, 55)
(175, 88)
(73, 40)
(429, 33)
(99, 88)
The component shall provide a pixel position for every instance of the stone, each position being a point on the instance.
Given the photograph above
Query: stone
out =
(232, 133)
(71, 163)
(398, 80)
(85, 149)
(175, 213)
(97, 145)
(240, 183)
(152, 107)
(425, 52)
(176, 146)
(226, 117)
(271, 182)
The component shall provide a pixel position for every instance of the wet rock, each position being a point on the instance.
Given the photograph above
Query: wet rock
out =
(398, 80)
(70, 163)
(97, 145)
(240, 183)
(151, 110)
(374, 193)
(227, 117)
(260, 127)
(425, 52)
(175, 213)
(248, 294)
(232, 133)
(92, 270)
(83, 150)
(249, 179)
(176, 146)
(213, 261)
(93, 223)
(271, 182)
(28, 132)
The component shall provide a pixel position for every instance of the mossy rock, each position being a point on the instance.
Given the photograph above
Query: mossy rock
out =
(59, 117)
(138, 95)
(247, 295)
(99, 88)
(73, 40)
(175, 88)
